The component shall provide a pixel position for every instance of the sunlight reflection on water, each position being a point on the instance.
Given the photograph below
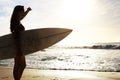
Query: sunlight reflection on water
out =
(72, 59)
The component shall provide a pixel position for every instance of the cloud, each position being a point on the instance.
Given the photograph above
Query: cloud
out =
(6, 9)
(6, 6)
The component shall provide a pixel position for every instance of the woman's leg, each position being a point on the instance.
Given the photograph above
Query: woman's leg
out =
(19, 67)
(19, 60)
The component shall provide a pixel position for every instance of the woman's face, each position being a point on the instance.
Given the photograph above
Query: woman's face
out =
(21, 13)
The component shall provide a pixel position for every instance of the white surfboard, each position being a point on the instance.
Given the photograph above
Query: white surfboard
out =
(31, 41)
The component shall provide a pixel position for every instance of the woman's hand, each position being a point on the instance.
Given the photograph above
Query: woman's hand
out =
(29, 9)
(23, 14)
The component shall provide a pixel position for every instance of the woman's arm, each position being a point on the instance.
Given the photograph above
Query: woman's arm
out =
(23, 14)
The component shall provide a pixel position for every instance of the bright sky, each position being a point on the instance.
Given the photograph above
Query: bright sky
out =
(91, 20)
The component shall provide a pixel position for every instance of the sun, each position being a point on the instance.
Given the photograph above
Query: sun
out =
(78, 9)
(77, 14)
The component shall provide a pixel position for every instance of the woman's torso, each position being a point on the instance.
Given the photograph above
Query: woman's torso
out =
(16, 27)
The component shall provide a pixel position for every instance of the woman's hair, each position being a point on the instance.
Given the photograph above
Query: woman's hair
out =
(15, 16)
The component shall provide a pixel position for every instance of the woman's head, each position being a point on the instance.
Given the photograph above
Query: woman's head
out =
(19, 8)
(16, 12)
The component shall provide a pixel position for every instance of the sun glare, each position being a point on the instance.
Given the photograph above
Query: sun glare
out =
(78, 9)
(78, 13)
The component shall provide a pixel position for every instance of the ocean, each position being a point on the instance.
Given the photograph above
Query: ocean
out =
(103, 57)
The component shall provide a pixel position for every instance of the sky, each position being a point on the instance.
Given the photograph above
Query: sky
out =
(92, 21)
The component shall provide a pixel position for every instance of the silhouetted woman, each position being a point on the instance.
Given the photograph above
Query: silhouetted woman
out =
(16, 27)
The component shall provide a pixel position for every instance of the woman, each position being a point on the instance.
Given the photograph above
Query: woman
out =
(16, 27)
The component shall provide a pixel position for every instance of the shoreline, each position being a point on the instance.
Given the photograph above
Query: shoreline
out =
(36, 74)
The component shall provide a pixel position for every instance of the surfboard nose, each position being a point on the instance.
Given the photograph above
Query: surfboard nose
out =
(70, 30)
(65, 30)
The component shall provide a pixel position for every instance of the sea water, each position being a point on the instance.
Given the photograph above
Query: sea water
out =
(100, 57)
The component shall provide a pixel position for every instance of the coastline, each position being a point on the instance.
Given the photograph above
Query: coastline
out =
(36, 74)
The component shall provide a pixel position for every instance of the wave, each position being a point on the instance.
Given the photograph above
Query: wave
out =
(76, 69)
(48, 58)
(94, 46)
(105, 47)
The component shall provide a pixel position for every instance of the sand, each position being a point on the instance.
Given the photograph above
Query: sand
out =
(35, 74)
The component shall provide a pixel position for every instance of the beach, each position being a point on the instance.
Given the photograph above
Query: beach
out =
(36, 74)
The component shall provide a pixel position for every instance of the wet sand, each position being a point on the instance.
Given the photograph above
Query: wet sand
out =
(35, 74)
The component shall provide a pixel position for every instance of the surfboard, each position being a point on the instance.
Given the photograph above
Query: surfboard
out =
(31, 41)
